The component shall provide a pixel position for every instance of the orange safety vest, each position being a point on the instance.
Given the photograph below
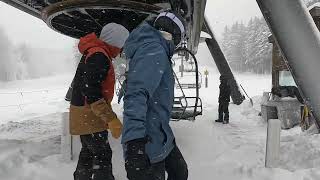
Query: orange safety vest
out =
(109, 82)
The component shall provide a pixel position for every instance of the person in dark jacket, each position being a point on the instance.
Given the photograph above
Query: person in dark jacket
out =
(224, 99)
(149, 145)
(90, 108)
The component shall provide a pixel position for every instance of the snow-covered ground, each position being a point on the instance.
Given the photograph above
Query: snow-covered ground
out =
(31, 125)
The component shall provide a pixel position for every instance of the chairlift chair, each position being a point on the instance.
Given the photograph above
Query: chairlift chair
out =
(190, 85)
(186, 107)
(187, 71)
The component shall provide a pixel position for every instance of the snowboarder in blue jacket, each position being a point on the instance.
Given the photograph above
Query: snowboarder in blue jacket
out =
(149, 144)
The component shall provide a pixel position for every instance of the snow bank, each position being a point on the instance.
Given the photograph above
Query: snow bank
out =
(30, 140)
(300, 151)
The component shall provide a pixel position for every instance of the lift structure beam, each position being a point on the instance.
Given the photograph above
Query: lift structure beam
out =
(222, 64)
(299, 40)
(19, 4)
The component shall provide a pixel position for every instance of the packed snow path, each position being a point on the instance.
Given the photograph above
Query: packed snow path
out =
(30, 141)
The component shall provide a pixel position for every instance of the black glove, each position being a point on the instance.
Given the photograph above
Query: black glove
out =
(136, 157)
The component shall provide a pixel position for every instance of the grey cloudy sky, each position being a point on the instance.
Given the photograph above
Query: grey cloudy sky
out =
(224, 12)
(24, 28)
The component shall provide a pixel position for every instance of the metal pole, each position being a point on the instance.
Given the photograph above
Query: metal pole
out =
(299, 40)
(222, 65)
(206, 81)
(71, 147)
(251, 101)
(206, 73)
(182, 67)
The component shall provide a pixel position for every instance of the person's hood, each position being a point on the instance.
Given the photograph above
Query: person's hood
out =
(146, 34)
(91, 40)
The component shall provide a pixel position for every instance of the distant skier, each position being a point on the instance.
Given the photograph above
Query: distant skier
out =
(90, 110)
(150, 148)
(224, 99)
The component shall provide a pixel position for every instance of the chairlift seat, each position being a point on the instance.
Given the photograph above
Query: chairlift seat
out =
(187, 108)
(192, 85)
(179, 114)
(183, 111)
(188, 86)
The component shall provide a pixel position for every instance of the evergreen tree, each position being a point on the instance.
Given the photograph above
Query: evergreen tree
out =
(76, 54)
(233, 45)
(6, 65)
(247, 48)
(23, 62)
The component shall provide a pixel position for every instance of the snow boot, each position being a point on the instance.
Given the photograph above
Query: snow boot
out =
(220, 120)
(226, 119)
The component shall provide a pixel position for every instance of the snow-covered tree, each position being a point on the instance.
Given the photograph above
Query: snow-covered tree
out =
(233, 45)
(23, 58)
(257, 47)
(7, 66)
(246, 47)
(76, 54)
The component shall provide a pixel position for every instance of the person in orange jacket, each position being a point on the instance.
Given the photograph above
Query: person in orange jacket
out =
(91, 113)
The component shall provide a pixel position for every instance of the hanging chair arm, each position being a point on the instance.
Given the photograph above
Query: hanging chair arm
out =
(197, 77)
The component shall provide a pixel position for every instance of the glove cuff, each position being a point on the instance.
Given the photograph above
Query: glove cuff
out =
(140, 140)
(136, 146)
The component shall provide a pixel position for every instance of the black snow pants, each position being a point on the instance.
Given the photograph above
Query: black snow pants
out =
(224, 109)
(174, 165)
(95, 159)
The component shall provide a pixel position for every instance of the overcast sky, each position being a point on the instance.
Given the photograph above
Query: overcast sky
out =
(21, 27)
